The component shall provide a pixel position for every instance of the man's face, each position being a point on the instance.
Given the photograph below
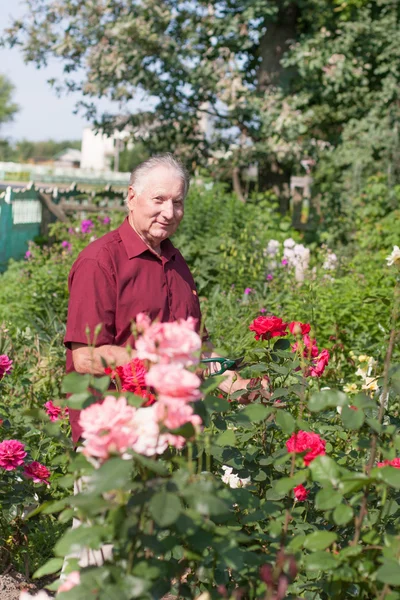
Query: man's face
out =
(157, 210)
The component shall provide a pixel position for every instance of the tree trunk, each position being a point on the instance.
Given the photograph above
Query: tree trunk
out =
(237, 186)
(280, 33)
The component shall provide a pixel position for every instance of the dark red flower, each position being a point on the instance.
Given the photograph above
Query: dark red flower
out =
(395, 462)
(266, 328)
(37, 472)
(300, 493)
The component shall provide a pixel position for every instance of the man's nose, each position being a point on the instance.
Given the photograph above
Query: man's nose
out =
(168, 210)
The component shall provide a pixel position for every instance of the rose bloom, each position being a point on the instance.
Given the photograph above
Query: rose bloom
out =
(300, 493)
(308, 346)
(395, 462)
(297, 328)
(108, 427)
(266, 328)
(5, 365)
(12, 454)
(87, 226)
(72, 579)
(132, 375)
(173, 380)
(317, 369)
(173, 417)
(148, 439)
(394, 257)
(55, 412)
(170, 342)
(304, 441)
(39, 473)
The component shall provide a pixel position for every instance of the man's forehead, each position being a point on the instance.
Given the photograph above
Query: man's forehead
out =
(162, 179)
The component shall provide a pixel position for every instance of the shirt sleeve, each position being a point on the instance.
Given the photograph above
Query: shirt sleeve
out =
(92, 302)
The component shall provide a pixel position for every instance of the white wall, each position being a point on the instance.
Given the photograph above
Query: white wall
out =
(96, 151)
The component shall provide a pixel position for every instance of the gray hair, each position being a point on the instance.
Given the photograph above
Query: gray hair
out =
(159, 160)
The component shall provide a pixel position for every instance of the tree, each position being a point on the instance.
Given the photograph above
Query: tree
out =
(7, 107)
(279, 81)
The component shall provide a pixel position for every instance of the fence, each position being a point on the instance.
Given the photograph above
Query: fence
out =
(27, 213)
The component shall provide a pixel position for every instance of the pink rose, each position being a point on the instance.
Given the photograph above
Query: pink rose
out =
(170, 342)
(148, 440)
(73, 579)
(174, 381)
(55, 412)
(298, 328)
(173, 417)
(317, 369)
(5, 365)
(108, 427)
(305, 441)
(12, 454)
(309, 347)
(39, 473)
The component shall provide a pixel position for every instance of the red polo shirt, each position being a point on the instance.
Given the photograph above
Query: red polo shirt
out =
(115, 278)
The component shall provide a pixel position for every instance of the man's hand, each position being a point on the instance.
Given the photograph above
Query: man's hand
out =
(88, 360)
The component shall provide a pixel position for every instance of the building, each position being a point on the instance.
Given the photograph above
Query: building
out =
(68, 158)
(100, 152)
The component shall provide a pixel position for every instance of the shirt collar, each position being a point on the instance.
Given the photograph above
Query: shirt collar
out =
(134, 245)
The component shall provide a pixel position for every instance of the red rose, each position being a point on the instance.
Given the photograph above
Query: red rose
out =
(317, 369)
(395, 462)
(297, 328)
(300, 493)
(268, 327)
(304, 441)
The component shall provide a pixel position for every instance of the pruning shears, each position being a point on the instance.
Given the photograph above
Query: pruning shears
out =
(226, 364)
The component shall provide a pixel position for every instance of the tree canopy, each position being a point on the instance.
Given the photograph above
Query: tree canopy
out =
(278, 82)
(8, 108)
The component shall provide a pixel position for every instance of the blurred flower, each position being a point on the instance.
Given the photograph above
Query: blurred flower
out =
(233, 480)
(297, 328)
(174, 416)
(12, 454)
(266, 328)
(394, 257)
(143, 322)
(350, 388)
(370, 384)
(263, 310)
(270, 277)
(55, 412)
(40, 596)
(309, 347)
(395, 462)
(284, 262)
(28, 254)
(248, 291)
(289, 243)
(5, 365)
(71, 230)
(272, 248)
(148, 440)
(305, 441)
(300, 493)
(174, 383)
(72, 579)
(318, 368)
(170, 342)
(87, 226)
(37, 472)
(106, 220)
(108, 428)
(66, 245)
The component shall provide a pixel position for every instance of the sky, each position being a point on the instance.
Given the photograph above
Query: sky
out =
(42, 115)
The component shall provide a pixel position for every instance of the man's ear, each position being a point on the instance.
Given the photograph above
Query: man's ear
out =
(130, 201)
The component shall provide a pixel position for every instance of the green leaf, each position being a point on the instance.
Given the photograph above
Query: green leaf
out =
(319, 540)
(256, 412)
(280, 393)
(81, 537)
(208, 505)
(325, 470)
(342, 514)
(352, 419)
(214, 404)
(165, 508)
(285, 421)
(75, 383)
(151, 464)
(389, 572)
(286, 484)
(390, 475)
(282, 344)
(227, 438)
(186, 430)
(101, 383)
(326, 399)
(327, 499)
(51, 566)
(81, 400)
(113, 474)
(320, 561)
(279, 369)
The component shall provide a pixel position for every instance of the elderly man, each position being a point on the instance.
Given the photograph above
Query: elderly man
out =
(133, 269)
